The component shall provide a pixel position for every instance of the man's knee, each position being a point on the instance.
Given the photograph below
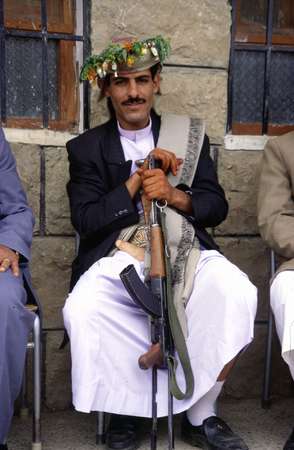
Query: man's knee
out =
(243, 292)
(234, 285)
(282, 288)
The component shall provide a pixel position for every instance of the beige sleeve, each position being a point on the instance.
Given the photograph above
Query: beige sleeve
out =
(275, 205)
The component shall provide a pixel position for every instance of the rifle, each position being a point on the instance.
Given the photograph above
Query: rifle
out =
(153, 300)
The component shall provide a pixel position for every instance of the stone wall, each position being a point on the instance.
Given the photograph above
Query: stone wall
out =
(194, 82)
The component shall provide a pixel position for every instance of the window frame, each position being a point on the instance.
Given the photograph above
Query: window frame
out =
(68, 88)
(243, 33)
(272, 43)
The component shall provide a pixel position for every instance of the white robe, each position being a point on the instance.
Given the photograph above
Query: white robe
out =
(282, 303)
(108, 333)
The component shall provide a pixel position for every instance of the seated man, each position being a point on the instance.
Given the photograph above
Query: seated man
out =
(16, 228)
(276, 224)
(107, 331)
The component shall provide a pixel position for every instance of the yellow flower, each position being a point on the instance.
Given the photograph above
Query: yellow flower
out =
(130, 60)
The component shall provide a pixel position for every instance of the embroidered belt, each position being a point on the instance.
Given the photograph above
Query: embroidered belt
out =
(141, 236)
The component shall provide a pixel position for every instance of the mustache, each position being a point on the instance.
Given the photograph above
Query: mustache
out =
(133, 101)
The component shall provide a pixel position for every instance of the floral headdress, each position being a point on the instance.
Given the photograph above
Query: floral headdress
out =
(126, 55)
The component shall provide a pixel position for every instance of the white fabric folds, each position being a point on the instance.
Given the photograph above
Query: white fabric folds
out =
(108, 333)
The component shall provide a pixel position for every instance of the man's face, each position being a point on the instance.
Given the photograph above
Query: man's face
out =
(132, 97)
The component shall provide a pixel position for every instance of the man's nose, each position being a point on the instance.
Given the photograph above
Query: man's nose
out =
(132, 88)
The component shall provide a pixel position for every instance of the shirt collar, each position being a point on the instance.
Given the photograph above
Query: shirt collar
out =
(135, 135)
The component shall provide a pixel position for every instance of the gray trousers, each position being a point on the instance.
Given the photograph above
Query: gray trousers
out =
(15, 325)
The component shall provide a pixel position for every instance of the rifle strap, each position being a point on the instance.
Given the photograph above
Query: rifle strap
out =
(178, 336)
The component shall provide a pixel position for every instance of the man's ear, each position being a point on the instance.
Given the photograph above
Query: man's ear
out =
(103, 87)
(156, 83)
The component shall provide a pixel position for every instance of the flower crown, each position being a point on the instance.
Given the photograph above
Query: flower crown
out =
(127, 55)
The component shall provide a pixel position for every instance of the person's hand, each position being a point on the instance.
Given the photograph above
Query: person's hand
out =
(169, 161)
(156, 185)
(137, 252)
(9, 259)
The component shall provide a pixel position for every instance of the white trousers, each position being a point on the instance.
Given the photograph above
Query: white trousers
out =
(282, 303)
(108, 333)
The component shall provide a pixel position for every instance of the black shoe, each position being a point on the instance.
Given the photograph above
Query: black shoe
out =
(121, 434)
(290, 442)
(213, 434)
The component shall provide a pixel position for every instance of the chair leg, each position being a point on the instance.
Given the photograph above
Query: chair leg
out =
(100, 427)
(24, 408)
(36, 443)
(265, 401)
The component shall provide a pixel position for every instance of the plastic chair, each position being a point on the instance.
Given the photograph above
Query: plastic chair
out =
(265, 400)
(34, 344)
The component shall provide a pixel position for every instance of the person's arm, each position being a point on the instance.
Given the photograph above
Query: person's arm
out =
(275, 205)
(96, 208)
(16, 218)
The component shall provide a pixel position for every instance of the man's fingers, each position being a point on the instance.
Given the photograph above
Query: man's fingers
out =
(150, 177)
(174, 166)
(176, 163)
(167, 158)
(5, 264)
(149, 173)
(15, 268)
(131, 249)
(8, 258)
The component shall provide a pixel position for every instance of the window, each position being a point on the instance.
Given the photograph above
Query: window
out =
(38, 77)
(261, 88)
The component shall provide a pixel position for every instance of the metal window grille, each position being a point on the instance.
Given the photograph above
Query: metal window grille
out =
(42, 44)
(261, 88)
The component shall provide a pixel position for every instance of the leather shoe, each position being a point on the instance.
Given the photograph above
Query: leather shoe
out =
(290, 442)
(121, 434)
(213, 434)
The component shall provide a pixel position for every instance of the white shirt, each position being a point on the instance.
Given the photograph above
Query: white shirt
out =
(136, 144)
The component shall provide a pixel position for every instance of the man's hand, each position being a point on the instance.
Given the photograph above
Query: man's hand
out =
(156, 185)
(9, 259)
(131, 249)
(169, 161)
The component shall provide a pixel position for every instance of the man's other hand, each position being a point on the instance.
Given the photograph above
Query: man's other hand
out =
(156, 185)
(169, 161)
(131, 249)
(9, 259)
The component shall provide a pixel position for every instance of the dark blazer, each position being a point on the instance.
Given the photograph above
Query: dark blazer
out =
(101, 205)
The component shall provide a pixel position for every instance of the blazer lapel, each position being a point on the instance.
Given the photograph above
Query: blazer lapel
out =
(155, 126)
(113, 151)
(119, 168)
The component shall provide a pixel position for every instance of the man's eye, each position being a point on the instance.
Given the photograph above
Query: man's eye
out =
(119, 82)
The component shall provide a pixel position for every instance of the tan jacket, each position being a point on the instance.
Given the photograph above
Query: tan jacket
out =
(275, 203)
